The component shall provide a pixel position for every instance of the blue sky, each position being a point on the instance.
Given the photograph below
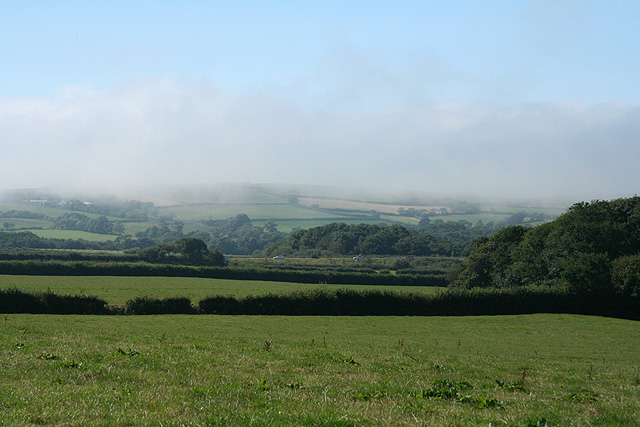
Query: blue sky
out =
(323, 80)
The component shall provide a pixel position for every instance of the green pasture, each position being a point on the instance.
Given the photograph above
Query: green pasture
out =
(51, 212)
(135, 226)
(117, 290)
(72, 234)
(19, 224)
(257, 211)
(551, 210)
(534, 370)
(288, 226)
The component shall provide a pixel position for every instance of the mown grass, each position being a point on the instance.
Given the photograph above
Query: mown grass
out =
(117, 290)
(554, 370)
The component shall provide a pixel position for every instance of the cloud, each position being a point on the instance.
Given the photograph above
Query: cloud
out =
(162, 131)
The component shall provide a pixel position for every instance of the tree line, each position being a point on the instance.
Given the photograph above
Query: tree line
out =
(593, 247)
(359, 239)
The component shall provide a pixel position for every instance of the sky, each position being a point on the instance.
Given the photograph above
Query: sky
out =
(513, 99)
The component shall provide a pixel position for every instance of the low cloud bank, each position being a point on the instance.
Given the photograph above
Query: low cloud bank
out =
(162, 131)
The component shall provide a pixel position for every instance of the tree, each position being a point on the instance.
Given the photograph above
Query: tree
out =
(192, 249)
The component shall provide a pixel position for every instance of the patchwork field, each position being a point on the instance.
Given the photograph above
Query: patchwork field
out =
(360, 206)
(535, 370)
(291, 207)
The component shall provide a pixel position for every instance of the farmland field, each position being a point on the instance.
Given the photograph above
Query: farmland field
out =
(534, 370)
(117, 290)
(257, 211)
(361, 206)
(73, 234)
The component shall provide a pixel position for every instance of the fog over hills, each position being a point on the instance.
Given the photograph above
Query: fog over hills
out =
(164, 132)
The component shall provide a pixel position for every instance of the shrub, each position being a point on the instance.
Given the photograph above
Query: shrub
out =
(625, 275)
(147, 305)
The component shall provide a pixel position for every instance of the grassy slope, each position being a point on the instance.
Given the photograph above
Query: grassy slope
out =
(311, 371)
(73, 234)
(117, 290)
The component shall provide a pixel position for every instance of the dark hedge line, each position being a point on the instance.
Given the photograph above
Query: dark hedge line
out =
(70, 268)
(16, 301)
(456, 302)
(147, 305)
(459, 302)
(51, 255)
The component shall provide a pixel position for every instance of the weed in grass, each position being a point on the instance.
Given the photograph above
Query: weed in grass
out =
(510, 385)
(295, 386)
(542, 422)
(582, 396)
(401, 343)
(267, 345)
(4, 322)
(19, 345)
(371, 395)
(129, 352)
(350, 361)
(59, 381)
(72, 364)
(48, 356)
(438, 367)
(263, 386)
(446, 389)
(450, 390)
(482, 402)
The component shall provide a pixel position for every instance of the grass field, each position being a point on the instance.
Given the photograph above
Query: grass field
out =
(535, 370)
(257, 211)
(117, 290)
(73, 234)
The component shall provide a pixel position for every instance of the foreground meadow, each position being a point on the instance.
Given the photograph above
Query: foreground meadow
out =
(534, 370)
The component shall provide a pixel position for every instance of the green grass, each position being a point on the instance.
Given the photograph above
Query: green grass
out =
(257, 211)
(317, 371)
(117, 290)
(72, 234)
(21, 223)
(51, 212)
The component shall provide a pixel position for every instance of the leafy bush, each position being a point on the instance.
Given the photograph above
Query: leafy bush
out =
(16, 301)
(147, 305)
(625, 275)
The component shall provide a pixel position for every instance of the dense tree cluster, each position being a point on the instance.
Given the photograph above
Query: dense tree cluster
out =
(365, 239)
(77, 221)
(131, 209)
(188, 250)
(238, 235)
(593, 247)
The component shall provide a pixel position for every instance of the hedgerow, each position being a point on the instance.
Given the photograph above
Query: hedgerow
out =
(342, 302)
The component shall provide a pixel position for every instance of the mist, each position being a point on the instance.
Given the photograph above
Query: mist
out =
(163, 131)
